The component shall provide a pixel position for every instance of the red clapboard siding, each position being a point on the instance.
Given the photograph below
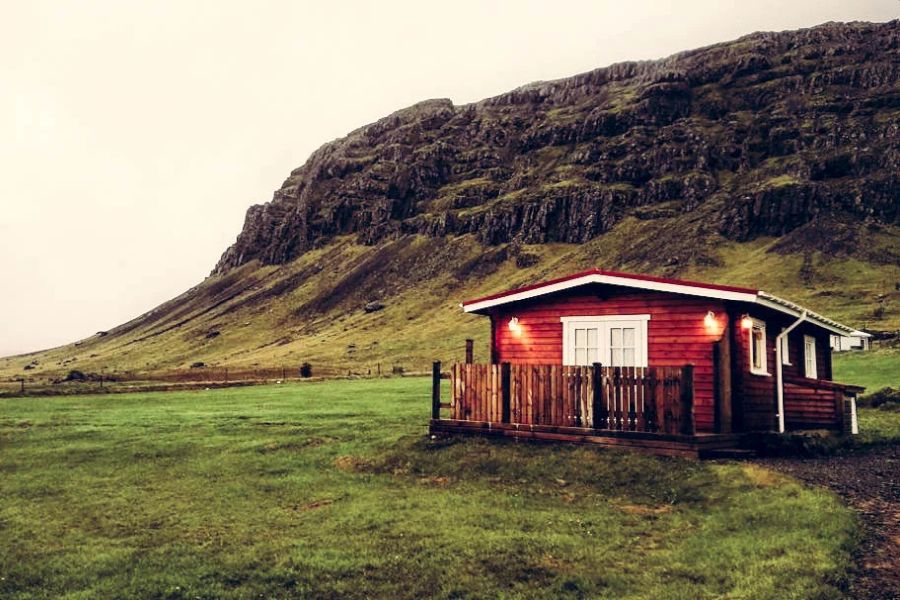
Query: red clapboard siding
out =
(676, 333)
(756, 394)
(809, 407)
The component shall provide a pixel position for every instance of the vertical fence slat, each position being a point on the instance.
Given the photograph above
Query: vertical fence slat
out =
(639, 421)
(617, 391)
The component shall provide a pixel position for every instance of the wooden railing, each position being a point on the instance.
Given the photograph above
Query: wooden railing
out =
(646, 399)
(819, 403)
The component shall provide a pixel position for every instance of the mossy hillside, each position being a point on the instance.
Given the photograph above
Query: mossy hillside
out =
(313, 309)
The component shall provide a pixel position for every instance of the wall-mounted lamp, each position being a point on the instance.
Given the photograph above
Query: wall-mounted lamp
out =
(746, 322)
(514, 326)
(710, 319)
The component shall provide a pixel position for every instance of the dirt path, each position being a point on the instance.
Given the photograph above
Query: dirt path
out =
(868, 482)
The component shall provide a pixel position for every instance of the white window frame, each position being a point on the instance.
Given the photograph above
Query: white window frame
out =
(763, 369)
(603, 324)
(810, 369)
(785, 349)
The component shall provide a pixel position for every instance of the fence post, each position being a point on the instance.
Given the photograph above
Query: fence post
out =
(598, 410)
(470, 351)
(505, 391)
(436, 390)
(687, 399)
(22, 388)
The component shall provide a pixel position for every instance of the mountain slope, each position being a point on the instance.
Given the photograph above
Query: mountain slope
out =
(769, 161)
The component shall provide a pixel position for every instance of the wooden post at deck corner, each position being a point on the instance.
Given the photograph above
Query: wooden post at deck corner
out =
(470, 351)
(436, 390)
(505, 412)
(722, 393)
(687, 399)
(598, 410)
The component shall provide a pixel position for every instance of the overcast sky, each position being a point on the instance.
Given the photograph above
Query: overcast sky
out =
(134, 135)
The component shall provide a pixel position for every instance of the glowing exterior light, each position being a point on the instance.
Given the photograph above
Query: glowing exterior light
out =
(710, 320)
(514, 326)
(746, 322)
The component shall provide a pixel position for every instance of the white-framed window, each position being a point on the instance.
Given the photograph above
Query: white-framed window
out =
(614, 340)
(809, 357)
(757, 350)
(785, 349)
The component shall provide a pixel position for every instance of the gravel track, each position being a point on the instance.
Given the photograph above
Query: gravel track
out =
(867, 480)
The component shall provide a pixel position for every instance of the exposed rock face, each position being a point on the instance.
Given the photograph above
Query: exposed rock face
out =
(764, 134)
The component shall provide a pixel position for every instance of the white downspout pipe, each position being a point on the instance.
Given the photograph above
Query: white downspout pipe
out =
(779, 377)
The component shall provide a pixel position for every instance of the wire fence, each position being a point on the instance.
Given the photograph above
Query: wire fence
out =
(75, 381)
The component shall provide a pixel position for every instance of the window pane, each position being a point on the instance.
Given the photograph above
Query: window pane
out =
(579, 338)
(592, 338)
(580, 356)
(593, 355)
(757, 348)
(628, 359)
(629, 337)
(615, 336)
(617, 357)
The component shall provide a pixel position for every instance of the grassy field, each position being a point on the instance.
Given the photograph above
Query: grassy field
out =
(874, 369)
(332, 490)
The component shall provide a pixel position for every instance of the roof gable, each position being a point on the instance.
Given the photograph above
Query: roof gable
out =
(660, 284)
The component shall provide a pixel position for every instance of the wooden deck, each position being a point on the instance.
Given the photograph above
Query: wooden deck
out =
(644, 409)
(701, 445)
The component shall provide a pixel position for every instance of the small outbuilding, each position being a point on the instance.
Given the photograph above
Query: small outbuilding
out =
(855, 340)
(667, 365)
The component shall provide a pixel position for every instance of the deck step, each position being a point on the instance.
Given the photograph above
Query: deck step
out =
(729, 453)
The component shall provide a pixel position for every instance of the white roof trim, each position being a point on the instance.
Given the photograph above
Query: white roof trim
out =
(786, 306)
(761, 298)
(674, 288)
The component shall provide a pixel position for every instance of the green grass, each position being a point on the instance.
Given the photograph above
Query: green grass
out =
(332, 490)
(873, 369)
(878, 427)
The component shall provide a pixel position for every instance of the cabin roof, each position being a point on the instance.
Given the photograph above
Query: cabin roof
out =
(660, 284)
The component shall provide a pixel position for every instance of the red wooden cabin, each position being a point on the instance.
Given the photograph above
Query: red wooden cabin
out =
(604, 346)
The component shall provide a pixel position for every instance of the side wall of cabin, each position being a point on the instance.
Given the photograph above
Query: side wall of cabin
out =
(755, 399)
(806, 406)
(676, 332)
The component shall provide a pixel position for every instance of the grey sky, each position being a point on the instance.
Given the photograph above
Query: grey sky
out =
(134, 135)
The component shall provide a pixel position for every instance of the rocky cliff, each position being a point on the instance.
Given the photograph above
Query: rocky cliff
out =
(760, 136)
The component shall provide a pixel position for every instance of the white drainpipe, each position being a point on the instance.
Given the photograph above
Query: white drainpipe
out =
(779, 377)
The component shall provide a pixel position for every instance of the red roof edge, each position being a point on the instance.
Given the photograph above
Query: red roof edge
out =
(700, 284)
